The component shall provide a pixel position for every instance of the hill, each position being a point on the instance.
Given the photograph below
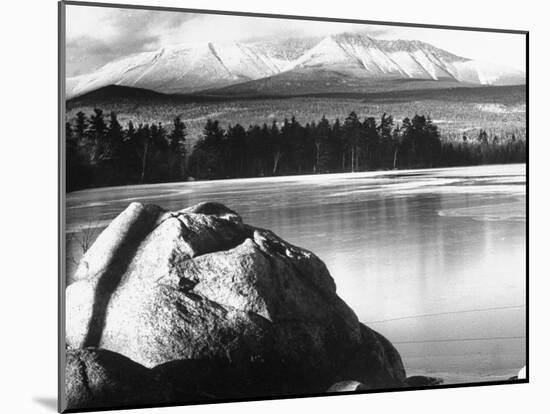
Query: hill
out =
(500, 109)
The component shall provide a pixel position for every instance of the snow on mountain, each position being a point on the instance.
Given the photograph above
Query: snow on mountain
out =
(363, 56)
(285, 49)
(485, 73)
(187, 68)
(207, 66)
(356, 54)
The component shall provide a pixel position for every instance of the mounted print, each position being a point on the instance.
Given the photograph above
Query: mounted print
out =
(256, 206)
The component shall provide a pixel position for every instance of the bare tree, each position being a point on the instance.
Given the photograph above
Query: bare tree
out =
(83, 239)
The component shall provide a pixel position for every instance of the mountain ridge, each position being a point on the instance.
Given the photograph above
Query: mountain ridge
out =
(353, 60)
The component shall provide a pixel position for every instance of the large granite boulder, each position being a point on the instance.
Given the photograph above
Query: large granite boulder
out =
(209, 300)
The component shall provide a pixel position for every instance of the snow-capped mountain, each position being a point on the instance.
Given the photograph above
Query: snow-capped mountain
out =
(182, 69)
(361, 56)
(353, 56)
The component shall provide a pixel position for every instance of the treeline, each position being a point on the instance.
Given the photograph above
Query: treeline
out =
(101, 153)
(484, 149)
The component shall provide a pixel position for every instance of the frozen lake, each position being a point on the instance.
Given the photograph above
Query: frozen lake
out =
(435, 259)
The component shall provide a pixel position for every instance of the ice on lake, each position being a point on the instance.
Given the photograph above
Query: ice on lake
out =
(434, 259)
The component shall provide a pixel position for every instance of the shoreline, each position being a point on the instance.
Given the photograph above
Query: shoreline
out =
(295, 178)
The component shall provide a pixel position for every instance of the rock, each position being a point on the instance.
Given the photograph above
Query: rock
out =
(345, 386)
(211, 378)
(201, 294)
(422, 381)
(122, 234)
(98, 378)
(378, 364)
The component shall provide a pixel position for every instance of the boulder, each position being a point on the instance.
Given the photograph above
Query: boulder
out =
(377, 364)
(207, 299)
(97, 378)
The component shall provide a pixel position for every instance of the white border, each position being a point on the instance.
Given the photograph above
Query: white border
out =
(28, 170)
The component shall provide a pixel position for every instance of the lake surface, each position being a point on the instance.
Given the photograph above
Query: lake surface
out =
(435, 259)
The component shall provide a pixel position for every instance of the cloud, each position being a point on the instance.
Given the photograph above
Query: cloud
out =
(95, 35)
(502, 48)
(234, 28)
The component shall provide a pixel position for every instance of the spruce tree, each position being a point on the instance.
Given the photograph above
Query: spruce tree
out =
(385, 150)
(81, 125)
(178, 150)
(352, 137)
(97, 132)
(115, 137)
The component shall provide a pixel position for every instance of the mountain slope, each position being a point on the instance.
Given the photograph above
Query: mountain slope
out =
(361, 56)
(183, 69)
(348, 60)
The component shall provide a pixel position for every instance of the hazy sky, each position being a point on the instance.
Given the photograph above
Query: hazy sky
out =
(98, 35)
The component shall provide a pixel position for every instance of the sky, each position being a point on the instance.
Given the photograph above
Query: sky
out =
(96, 35)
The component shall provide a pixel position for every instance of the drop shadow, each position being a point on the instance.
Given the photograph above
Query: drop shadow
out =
(48, 402)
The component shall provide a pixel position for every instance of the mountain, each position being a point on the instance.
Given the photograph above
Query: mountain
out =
(357, 63)
(182, 69)
(361, 56)
(193, 67)
(341, 62)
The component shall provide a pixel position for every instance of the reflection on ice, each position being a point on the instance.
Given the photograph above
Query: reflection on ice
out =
(514, 211)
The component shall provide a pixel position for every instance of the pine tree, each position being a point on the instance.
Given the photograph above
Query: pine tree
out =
(321, 142)
(370, 145)
(71, 157)
(178, 149)
(352, 137)
(210, 150)
(336, 142)
(97, 132)
(115, 137)
(81, 125)
(81, 134)
(397, 139)
(143, 144)
(236, 151)
(385, 152)
(294, 145)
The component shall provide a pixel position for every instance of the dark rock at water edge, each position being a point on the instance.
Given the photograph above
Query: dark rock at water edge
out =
(216, 307)
(97, 378)
(422, 381)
